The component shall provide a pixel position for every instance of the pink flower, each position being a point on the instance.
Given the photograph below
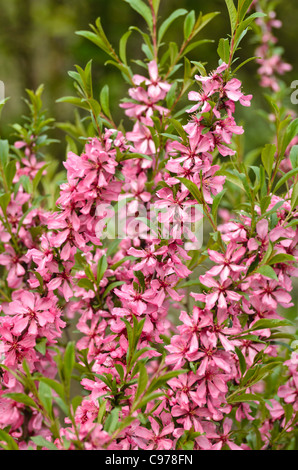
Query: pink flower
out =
(225, 437)
(14, 264)
(219, 293)
(29, 312)
(157, 89)
(155, 438)
(228, 263)
(15, 348)
(142, 139)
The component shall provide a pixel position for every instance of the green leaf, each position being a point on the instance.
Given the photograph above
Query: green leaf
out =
(69, 361)
(223, 50)
(4, 201)
(216, 202)
(131, 156)
(282, 258)
(120, 262)
(4, 152)
(291, 132)
(122, 46)
(232, 178)
(79, 102)
(268, 155)
(62, 405)
(288, 412)
(38, 176)
(111, 287)
(285, 178)
(142, 381)
(167, 23)
(246, 397)
(40, 441)
(76, 401)
(22, 398)
(189, 23)
(86, 284)
(2, 104)
(41, 344)
(294, 156)
(96, 39)
(11, 443)
(244, 7)
(202, 21)
(244, 63)
(112, 421)
(267, 271)
(150, 397)
(269, 323)
(155, 4)
(140, 7)
(264, 203)
(45, 396)
(242, 361)
(101, 269)
(232, 14)
(9, 172)
(192, 188)
(160, 381)
(294, 197)
(171, 95)
(244, 27)
(56, 386)
(25, 182)
(245, 182)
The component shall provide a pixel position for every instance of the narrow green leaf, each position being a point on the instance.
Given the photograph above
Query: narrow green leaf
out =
(75, 101)
(223, 50)
(122, 46)
(22, 398)
(11, 443)
(9, 172)
(216, 202)
(40, 441)
(45, 396)
(4, 152)
(294, 156)
(167, 23)
(267, 156)
(243, 8)
(112, 421)
(56, 386)
(232, 14)
(38, 176)
(140, 7)
(246, 397)
(267, 271)
(69, 361)
(189, 23)
(285, 178)
(101, 268)
(111, 287)
(193, 189)
(4, 201)
(142, 381)
(86, 284)
(242, 361)
(281, 258)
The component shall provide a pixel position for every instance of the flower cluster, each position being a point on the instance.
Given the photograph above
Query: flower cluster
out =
(147, 380)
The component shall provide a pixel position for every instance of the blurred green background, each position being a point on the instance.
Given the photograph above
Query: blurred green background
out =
(38, 45)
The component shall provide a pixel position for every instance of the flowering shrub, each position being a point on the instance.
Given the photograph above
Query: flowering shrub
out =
(153, 338)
